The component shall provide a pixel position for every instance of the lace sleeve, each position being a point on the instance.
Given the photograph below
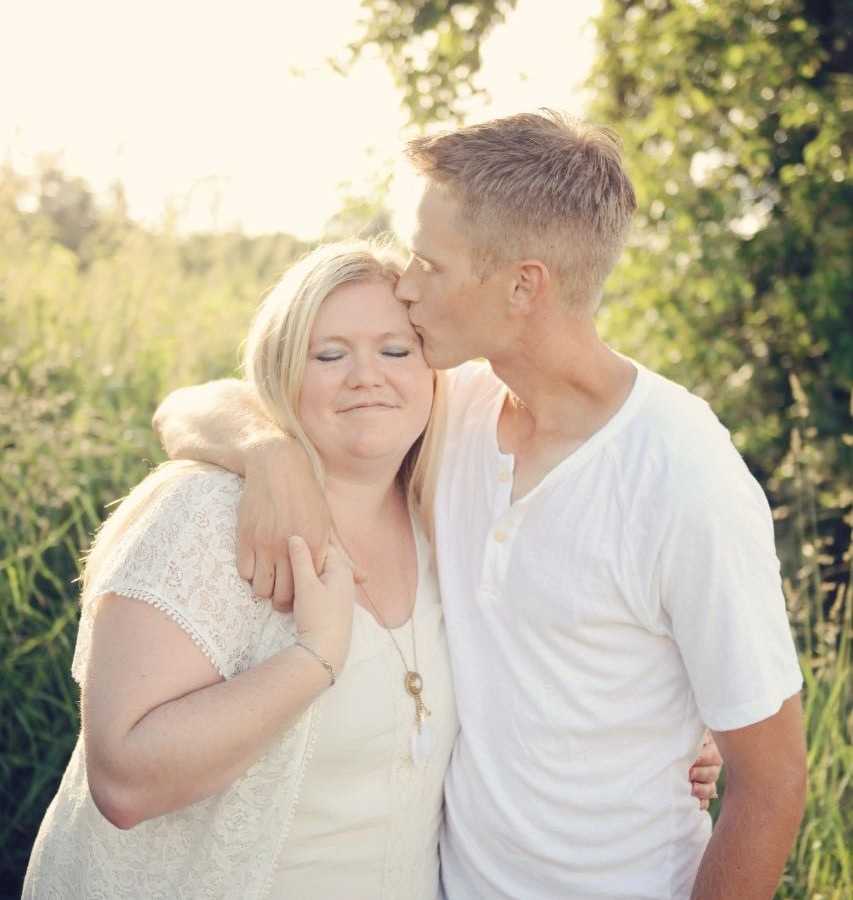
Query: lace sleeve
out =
(179, 555)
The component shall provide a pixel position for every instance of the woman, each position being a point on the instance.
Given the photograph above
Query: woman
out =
(210, 724)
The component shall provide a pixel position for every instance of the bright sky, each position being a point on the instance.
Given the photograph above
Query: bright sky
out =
(229, 109)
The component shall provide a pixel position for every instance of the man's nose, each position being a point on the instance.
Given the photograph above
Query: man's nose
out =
(405, 289)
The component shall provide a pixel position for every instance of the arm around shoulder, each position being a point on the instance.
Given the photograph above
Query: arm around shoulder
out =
(223, 422)
(218, 422)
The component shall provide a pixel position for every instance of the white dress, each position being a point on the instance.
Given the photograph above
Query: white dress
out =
(337, 808)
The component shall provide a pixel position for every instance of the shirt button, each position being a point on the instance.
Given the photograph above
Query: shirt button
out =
(505, 476)
(501, 536)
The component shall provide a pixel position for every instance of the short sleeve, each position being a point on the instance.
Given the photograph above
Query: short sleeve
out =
(179, 555)
(721, 589)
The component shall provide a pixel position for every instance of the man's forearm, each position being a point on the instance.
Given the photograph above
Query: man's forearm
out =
(752, 838)
(217, 422)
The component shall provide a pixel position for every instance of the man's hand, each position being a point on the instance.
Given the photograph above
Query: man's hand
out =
(281, 498)
(705, 772)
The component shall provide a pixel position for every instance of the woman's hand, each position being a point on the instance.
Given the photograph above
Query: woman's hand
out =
(705, 771)
(323, 606)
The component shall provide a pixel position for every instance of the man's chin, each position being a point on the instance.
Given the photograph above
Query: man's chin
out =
(436, 359)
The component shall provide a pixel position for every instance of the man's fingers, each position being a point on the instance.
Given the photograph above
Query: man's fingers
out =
(301, 563)
(282, 598)
(319, 555)
(337, 567)
(335, 560)
(245, 559)
(264, 579)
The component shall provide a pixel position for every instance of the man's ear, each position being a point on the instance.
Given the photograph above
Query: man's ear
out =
(531, 283)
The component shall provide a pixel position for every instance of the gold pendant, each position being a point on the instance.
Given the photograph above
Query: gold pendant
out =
(414, 685)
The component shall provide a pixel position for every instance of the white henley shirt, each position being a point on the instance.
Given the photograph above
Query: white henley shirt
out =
(594, 626)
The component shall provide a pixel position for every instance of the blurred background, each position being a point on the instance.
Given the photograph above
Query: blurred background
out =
(162, 163)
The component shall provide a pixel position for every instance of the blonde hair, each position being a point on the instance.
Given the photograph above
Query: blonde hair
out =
(277, 350)
(537, 185)
(274, 360)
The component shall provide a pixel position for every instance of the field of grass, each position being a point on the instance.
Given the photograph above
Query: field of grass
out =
(90, 341)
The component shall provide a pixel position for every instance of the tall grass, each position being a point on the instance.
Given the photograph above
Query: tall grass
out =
(90, 342)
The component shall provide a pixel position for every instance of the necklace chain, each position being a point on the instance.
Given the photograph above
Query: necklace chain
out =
(382, 622)
(413, 681)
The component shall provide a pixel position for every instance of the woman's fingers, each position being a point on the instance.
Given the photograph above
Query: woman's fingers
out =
(709, 755)
(704, 791)
(304, 574)
(704, 774)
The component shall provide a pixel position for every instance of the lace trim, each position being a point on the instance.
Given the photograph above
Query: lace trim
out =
(175, 615)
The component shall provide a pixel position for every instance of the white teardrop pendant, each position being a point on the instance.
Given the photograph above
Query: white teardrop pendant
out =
(422, 742)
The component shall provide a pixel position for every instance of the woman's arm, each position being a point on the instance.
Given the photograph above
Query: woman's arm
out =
(223, 422)
(163, 730)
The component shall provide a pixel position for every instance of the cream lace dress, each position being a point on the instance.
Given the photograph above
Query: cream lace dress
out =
(335, 810)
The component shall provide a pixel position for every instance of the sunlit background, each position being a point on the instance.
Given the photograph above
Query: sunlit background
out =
(231, 114)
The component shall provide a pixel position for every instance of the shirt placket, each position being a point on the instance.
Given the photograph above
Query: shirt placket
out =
(502, 534)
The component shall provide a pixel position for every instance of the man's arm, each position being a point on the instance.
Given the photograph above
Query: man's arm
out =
(218, 422)
(223, 422)
(761, 810)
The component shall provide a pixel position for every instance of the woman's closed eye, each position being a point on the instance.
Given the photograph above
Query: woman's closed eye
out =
(333, 356)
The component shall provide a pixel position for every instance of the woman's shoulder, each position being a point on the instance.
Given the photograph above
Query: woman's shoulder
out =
(195, 485)
(197, 499)
(181, 514)
(172, 544)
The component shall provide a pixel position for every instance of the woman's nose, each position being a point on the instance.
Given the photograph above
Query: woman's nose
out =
(365, 372)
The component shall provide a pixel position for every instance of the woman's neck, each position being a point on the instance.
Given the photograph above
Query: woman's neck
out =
(359, 502)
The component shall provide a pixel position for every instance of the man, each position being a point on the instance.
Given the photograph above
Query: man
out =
(606, 560)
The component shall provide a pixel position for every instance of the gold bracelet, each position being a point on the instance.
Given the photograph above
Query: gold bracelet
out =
(320, 659)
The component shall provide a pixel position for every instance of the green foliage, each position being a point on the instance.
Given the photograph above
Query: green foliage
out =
(737, 283)
(738, 279)
(99, 319)
(433, 49)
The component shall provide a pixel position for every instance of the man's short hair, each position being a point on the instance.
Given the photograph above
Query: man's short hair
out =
(540, 186)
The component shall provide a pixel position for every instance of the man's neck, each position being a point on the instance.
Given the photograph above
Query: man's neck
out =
(566, 383)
